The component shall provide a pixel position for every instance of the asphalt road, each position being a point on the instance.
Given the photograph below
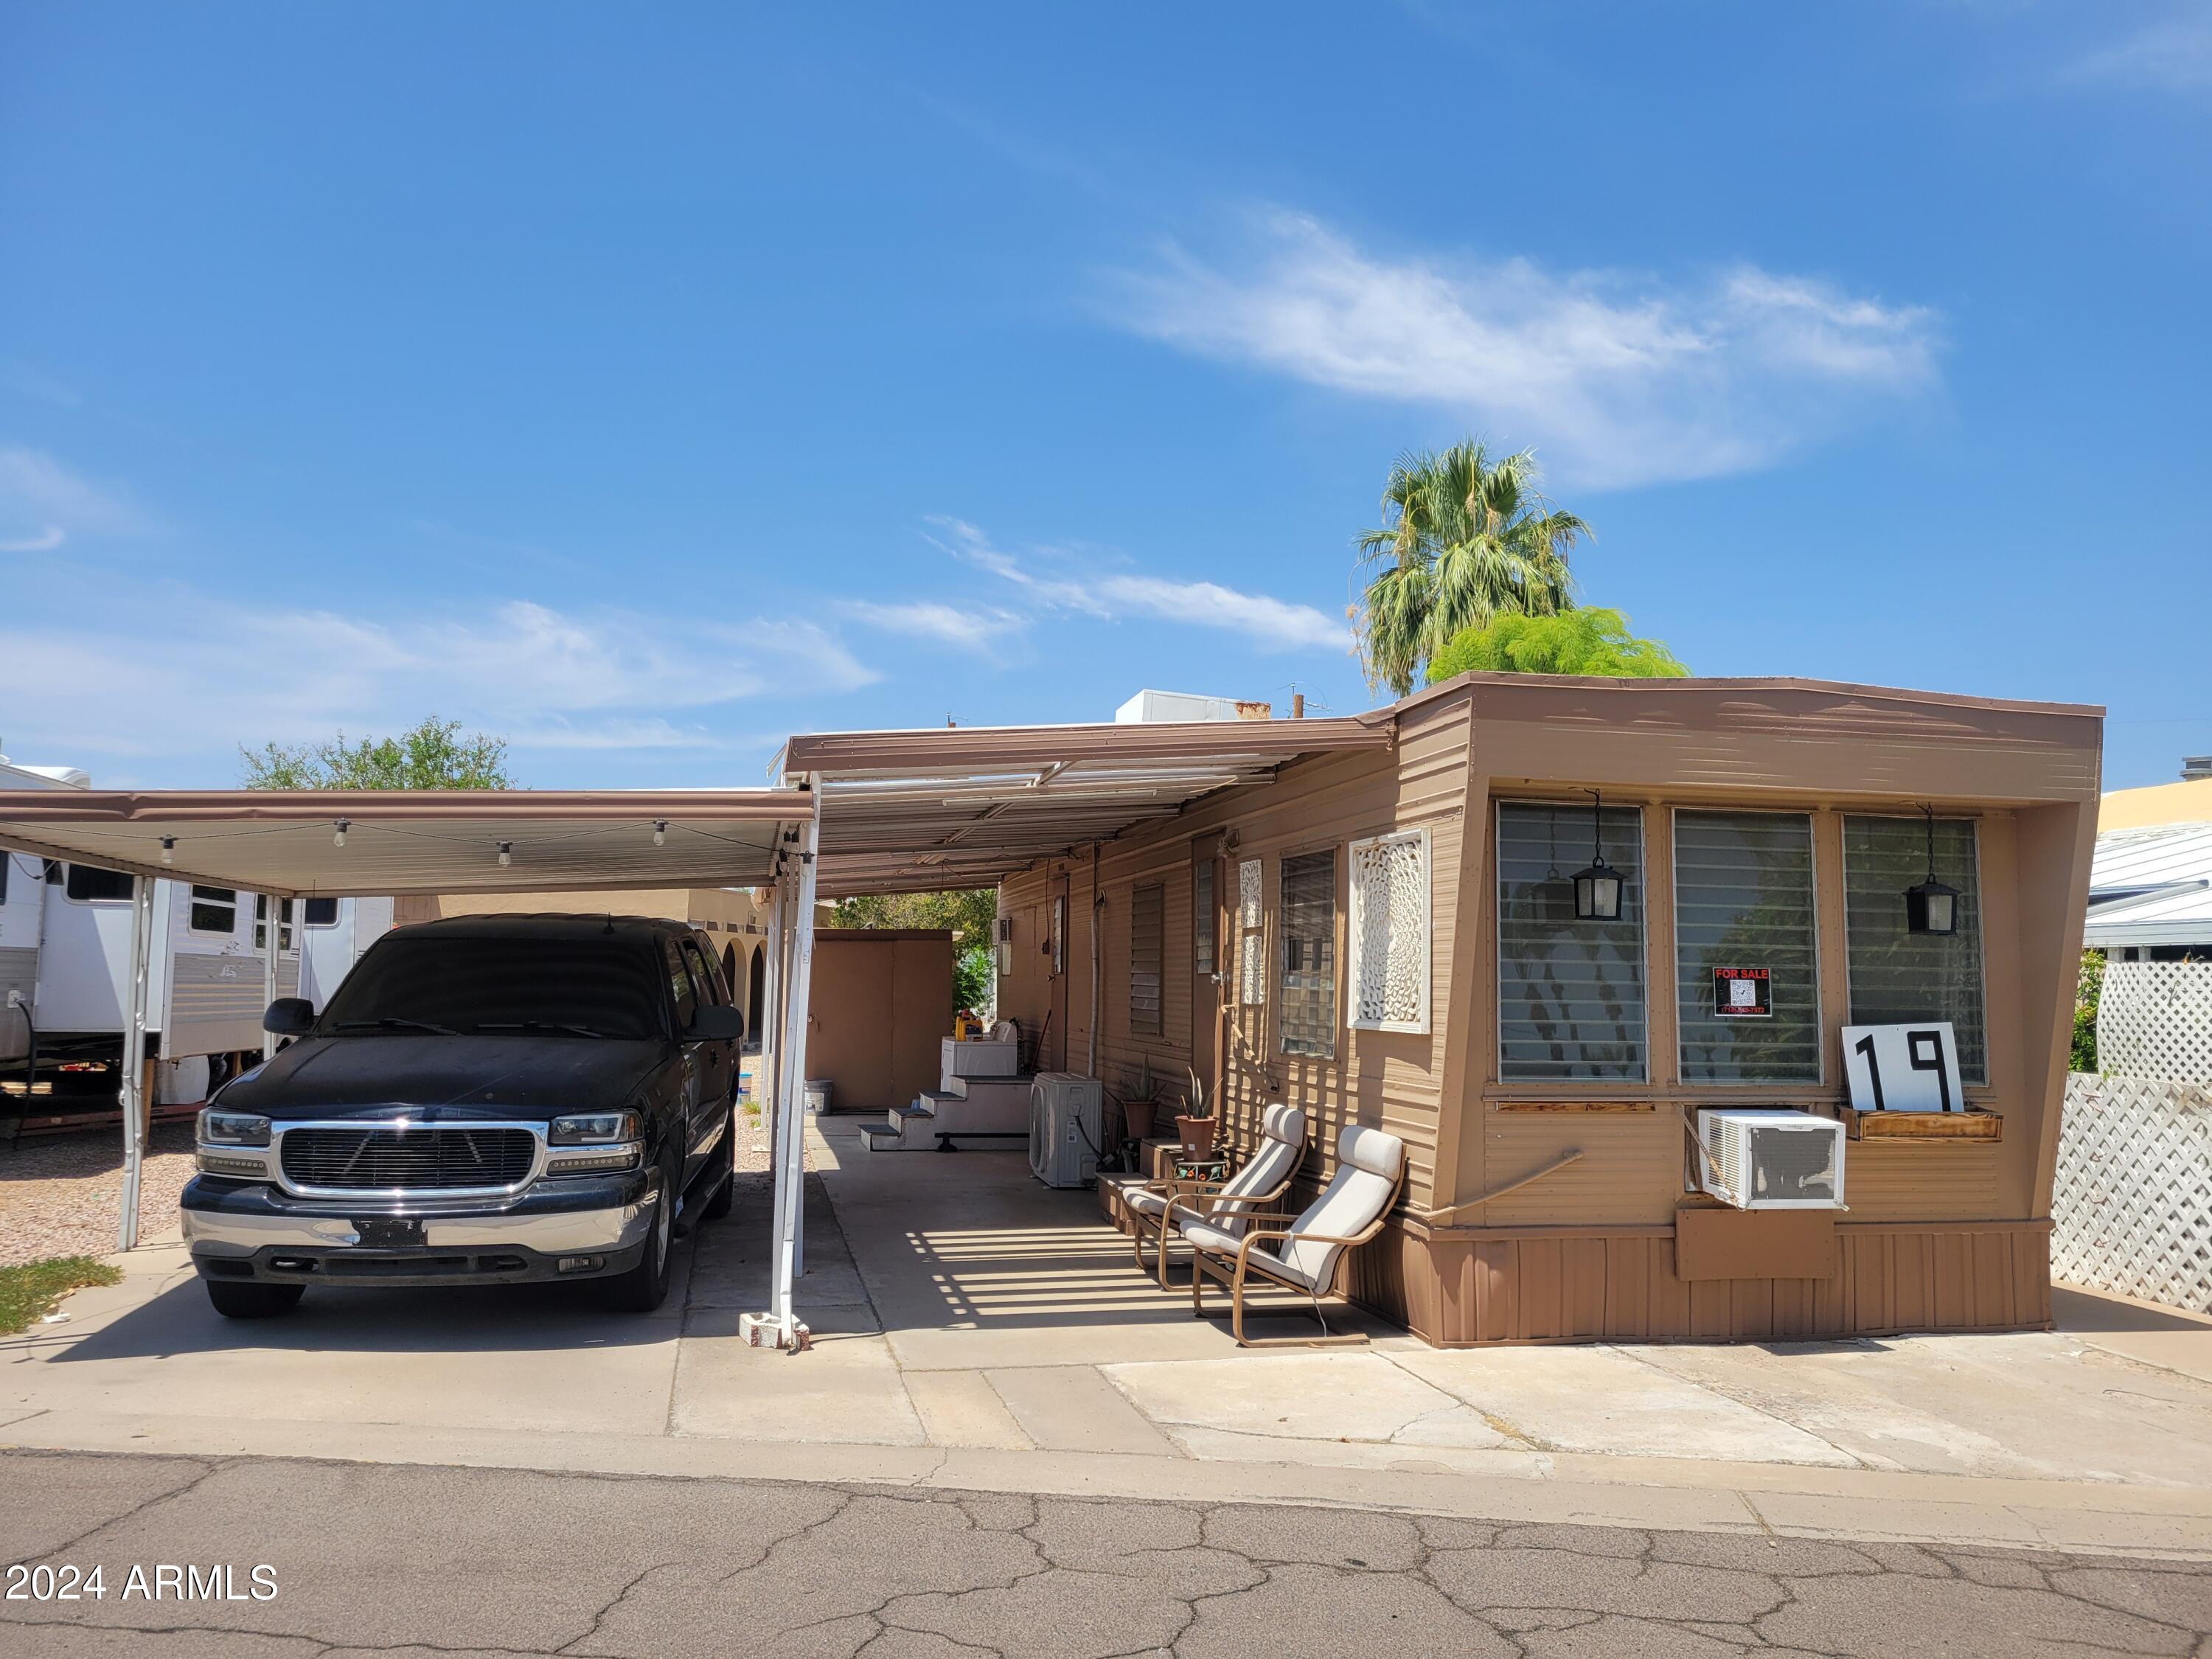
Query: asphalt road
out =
(412, 1559)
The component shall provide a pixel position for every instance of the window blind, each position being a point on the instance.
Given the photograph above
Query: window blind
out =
(1743, 898)
(1308, 984)
(1570, 996)
(1148, 927)
(1898, 976)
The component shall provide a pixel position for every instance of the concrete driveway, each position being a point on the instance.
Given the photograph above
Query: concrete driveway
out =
(975, 1331)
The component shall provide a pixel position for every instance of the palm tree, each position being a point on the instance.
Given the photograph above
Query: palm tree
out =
(1466, 539)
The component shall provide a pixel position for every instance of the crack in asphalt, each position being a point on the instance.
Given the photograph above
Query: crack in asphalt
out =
(999, 1574)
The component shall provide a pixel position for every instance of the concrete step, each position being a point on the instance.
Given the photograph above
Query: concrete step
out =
(987, 1091)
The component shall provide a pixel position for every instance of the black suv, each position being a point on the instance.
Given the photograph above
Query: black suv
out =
(486, 1100)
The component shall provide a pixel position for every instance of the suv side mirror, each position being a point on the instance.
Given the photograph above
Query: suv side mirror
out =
(716, 1023)
(289, 1017)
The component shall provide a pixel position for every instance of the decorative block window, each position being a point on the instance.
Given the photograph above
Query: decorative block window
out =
(1899, 977)
(1570, 997)
(1147, 933)
(214, 910)
(1389, 933)
(1744, 914)
(1309, 929)
(1251, 956)
(1202, 923)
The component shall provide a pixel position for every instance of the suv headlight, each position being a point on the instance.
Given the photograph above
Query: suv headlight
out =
(604, 1143)
(221, 1128)
(592, 1129)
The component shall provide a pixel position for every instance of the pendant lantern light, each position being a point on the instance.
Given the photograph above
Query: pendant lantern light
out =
(1598, 888)
(1931, 906)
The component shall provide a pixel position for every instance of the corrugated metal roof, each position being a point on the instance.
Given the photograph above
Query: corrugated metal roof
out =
(2151, 886)
(962, 807)
(407, 841)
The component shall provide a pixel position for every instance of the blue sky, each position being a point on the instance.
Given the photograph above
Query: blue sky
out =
(646, 383)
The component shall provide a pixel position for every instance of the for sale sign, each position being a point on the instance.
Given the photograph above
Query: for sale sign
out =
(1742, 993)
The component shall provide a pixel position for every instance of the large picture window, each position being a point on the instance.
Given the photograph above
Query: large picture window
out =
(1147, 924)
(1570, 996)
(1744, 906)
(1308, 986)
(1900, 977)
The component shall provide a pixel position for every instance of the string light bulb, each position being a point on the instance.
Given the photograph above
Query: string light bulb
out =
(168, 849)
(660, 832)
(506, 854)
(338, 831)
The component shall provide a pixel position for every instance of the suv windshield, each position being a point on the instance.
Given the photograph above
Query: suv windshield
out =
(540, 987)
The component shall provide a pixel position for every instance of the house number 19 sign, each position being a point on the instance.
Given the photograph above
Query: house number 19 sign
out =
(1902, 1068)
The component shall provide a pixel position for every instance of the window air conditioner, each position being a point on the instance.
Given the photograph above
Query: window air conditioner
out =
(1767, 1157)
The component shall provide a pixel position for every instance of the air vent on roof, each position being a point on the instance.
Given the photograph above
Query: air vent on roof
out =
(2196, 766)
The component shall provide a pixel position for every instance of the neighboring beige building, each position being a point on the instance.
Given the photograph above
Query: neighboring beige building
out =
(2187, 802)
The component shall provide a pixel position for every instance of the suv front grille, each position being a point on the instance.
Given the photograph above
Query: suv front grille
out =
(420, 1158)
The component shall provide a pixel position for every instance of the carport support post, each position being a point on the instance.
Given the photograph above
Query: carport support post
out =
(269, 970)
(766, 1083)
(132, 1094)
(791, 1125)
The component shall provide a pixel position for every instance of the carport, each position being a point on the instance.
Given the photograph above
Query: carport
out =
(292, 845)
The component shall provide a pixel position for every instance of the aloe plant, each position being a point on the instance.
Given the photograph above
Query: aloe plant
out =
(1195, 1104)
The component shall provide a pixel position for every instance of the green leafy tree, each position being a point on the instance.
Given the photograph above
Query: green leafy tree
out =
(971, 914)
(433, 756)
(1464, 539)
(2088, 988)
(1594, 640)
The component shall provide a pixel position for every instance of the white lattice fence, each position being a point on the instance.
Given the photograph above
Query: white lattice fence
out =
(2154, 1019)
(2131, 1206)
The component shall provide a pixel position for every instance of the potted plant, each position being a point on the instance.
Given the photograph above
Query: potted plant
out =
(1141, 1105)
(1196, 1123)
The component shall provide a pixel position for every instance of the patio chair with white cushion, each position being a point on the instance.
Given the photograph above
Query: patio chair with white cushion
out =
(1371, 1172)
(1154, 1208)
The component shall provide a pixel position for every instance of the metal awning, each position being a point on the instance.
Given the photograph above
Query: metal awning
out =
(965, 806)
(294, 843)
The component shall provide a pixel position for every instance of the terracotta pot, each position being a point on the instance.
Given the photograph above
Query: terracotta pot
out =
(1197, 1134)
(1140, 1115)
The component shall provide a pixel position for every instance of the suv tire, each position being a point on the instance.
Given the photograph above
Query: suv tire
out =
(645, 1287)
(725, 1173)
(234, 1300)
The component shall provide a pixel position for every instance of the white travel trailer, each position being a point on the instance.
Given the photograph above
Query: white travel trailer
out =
(65, 950)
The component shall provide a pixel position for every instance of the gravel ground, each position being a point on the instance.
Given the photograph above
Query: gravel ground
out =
(61, 1195)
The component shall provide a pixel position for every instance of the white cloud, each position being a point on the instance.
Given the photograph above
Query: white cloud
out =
(1616, 379)
(152, 682)
(2174, 54)
(43, 503)
(929, 619)
(1271, 624)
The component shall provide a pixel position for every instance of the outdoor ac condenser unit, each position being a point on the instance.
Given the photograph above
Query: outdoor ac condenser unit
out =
(1767, 1157)
(1067, 1127)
